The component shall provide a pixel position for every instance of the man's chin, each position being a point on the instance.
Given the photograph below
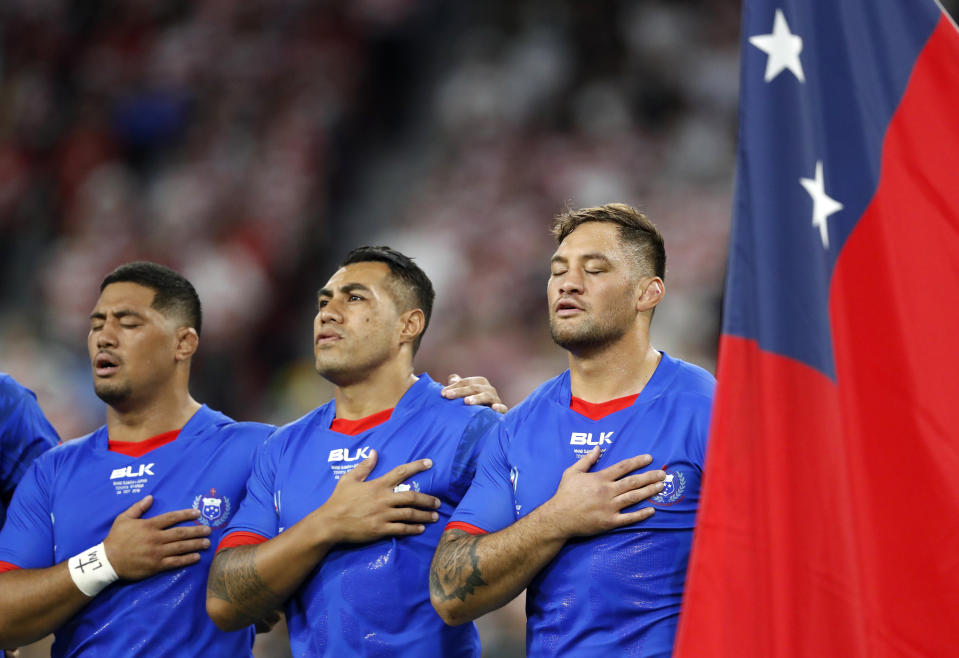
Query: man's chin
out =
(575, 344)
(335, 373)
(112, 394)
(579, 341)
(566, 335)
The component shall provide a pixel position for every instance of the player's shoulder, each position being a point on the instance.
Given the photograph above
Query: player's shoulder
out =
(10, 386)
(691, 387)
(303, 426)
(456, 407)
(453, 412)
(246, 429)
(546, 393)
(693, 380)
(243, 438)
(217, 426)
(13, 393)
(68, 452)
(74, 446)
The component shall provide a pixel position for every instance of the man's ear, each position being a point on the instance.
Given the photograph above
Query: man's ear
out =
(187, 341)
(652, 291)
(412, 325)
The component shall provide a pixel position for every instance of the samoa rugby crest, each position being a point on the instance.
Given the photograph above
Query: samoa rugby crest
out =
(214, 509)
(674, 488)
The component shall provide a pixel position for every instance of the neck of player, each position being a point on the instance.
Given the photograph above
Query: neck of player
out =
(379, 389)
(140, 419)
(620, 368)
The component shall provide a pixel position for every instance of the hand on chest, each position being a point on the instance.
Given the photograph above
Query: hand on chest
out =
(540, 453)
(308, 474)
(91, 495)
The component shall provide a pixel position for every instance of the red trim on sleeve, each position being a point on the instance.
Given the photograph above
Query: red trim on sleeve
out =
(465, 527)
(354, 427)
(599, 410)
(239, 538)
(7, 566)
(140, 448)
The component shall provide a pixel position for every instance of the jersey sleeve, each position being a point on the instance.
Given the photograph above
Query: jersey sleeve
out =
(257, 513)
(488, 504)
(699, 431)
(26, 539)
(478, 432)
(25, 434)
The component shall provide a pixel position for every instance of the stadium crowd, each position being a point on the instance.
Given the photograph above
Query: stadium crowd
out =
(250, 145)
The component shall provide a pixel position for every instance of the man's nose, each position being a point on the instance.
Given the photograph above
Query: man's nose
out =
(330, 313)
(570, 283)
(107, 336)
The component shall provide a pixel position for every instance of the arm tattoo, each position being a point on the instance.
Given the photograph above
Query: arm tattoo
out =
(456, 573)
(234, 578)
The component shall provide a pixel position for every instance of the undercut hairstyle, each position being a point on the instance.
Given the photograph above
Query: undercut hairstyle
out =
(174, 295)
(411, 288)
(637, 234)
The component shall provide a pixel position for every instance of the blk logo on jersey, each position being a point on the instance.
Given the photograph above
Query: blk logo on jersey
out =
(214, 509)
(132, 471)
(346, 455)
(343, 460)
(586, 441)
(131, 479)
(674, 489)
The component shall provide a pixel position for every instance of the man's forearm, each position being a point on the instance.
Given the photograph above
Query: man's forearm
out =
(474, 574)
(36, 602)
(249, 583)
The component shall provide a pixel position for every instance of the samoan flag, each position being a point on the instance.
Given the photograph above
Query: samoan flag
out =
(830, 516)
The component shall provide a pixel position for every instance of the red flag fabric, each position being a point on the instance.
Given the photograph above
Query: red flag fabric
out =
(830, 515)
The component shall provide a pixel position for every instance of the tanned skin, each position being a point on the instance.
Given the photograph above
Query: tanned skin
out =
(249, 582)
(600, 310)
(474, 574)
(146, 383)
(363, 344)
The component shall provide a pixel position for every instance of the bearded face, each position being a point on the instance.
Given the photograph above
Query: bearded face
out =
(592, 289)
(596, 325)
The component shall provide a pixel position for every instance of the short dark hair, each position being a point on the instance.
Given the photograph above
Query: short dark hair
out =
(413, 288)
(636, 232)
(173, 293)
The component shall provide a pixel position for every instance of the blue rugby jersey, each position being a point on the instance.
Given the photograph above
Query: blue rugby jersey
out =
(25, 434)
(68, 500)
(617, 593)
(369, 599)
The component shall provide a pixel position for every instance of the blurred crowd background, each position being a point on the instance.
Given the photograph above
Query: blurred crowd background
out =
(251, 144)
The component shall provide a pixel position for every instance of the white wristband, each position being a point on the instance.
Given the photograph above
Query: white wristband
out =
(91, 570)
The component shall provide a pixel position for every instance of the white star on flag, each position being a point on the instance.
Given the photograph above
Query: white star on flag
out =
(782, 47)
(822, 204)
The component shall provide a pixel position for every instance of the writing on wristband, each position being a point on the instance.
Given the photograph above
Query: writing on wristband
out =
(91, 571)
